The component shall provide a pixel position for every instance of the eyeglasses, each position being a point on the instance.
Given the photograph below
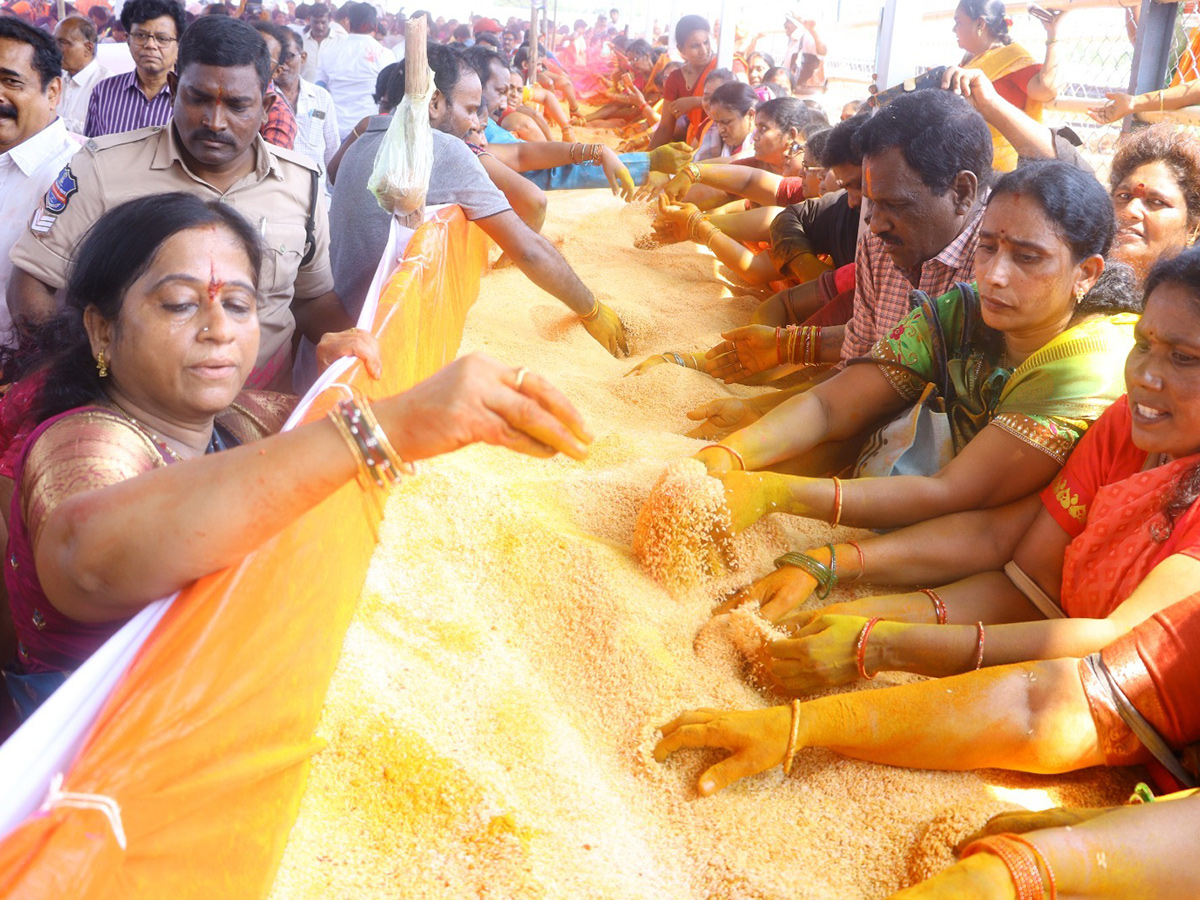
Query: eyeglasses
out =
(141, 38)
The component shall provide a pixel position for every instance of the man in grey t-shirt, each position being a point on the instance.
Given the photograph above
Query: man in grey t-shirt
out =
(359, 228)
(360, 224)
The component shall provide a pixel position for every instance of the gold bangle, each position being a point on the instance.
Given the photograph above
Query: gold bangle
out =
(364, 475)
(587, 317)
(793, 736)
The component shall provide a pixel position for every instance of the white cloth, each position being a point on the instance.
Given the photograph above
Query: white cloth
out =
(26, 173)
(76, 90)
(314, 48)
(348, 70)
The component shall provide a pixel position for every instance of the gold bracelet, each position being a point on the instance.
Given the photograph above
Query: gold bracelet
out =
(587, 317)
(693, 172)
(364, 475)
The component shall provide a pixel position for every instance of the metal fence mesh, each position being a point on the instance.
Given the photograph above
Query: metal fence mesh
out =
(1095, 56)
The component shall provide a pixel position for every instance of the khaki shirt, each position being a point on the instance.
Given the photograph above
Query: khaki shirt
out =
(275, 198)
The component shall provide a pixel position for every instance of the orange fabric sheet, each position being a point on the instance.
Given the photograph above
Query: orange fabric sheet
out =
(205, 742)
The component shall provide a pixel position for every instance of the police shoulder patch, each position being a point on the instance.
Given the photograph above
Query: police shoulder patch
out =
(54, 204)
(60, 193)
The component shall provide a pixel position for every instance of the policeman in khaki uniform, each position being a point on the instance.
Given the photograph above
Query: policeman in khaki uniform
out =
(212, 148)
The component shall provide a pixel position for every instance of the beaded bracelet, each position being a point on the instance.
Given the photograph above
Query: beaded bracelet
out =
(824, 575)
(939, 605)
(790, 754)
(860, 649)
(1042, 861)
(979, 647)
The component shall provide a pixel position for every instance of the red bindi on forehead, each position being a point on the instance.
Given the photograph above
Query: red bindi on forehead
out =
(215, 284)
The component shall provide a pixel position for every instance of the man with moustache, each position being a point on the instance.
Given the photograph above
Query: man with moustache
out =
(927, 158)
(34, 144)
(211, 148)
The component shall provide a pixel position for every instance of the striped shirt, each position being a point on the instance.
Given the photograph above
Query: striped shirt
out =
(118, 104)
(882, 292)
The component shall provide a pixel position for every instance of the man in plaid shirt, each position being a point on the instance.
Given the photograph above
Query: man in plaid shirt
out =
(280, 128)
(927, 158)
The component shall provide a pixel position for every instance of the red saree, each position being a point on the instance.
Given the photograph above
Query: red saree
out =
(1103, 487)
(1157, 666)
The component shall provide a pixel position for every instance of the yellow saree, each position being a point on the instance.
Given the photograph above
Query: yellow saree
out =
(997, 64)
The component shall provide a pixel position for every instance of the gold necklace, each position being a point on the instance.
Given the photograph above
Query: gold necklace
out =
(140, 426)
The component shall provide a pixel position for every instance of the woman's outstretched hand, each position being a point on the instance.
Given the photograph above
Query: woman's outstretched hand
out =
(821, 655)
(748, 495)
(746, 351)
(757, 740)
(720, 418)
(478, 400)
(778, 594)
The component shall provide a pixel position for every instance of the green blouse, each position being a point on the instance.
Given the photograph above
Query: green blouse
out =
(1048, 401)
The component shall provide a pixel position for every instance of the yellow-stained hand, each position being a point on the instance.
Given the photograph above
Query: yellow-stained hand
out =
(757, 740)
(777, 594)
(748, 495)
(982, 876)
(1118, 106)
(822, 655)
(720, 418)
(670, 158)
(353, 342)
(1023, 821)
(677, 188)
(673, 219)
(618, 176)
(606, 327)
(745, 352)
(658, 359)
(655, 182)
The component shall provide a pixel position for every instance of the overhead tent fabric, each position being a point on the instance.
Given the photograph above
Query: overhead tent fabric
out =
(203, 744)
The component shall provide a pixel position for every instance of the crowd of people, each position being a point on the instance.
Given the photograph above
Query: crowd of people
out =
(976, 348)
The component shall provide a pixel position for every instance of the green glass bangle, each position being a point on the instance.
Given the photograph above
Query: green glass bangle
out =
(824, 575)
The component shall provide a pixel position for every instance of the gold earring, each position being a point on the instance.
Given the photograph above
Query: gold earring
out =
(101, 365)
(1079, 294)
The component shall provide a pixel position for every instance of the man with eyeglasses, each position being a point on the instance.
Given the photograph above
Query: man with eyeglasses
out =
(142, 97)
(280, 127)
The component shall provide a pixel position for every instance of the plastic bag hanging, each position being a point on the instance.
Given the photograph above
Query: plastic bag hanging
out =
(400, 177)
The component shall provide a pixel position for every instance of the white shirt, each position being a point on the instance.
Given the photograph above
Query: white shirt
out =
(348, 70)
(313, 49)
(317, 135)
(27, 172)
(76, 90)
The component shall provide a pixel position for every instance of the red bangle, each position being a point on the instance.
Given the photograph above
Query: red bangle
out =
(1021, 859)
(860, 652)
(979, 647)
(938, 605)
